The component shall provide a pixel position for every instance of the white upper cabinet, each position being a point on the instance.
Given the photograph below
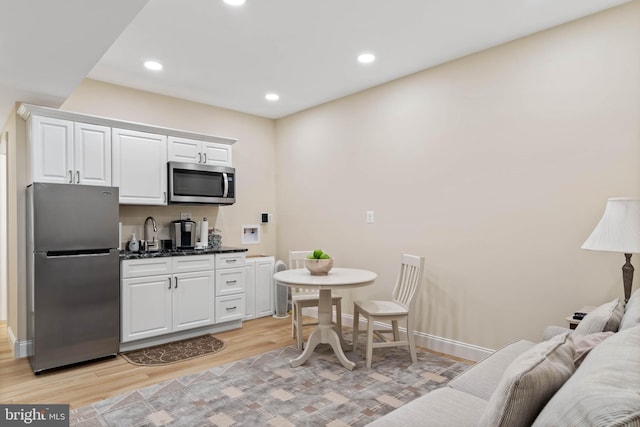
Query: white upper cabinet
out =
(73, 148)
(201, 152)
(67, 152)
(92, 154)
(140, 167)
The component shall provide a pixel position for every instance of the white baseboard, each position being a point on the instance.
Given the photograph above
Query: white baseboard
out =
(20, 348)
(431, 342)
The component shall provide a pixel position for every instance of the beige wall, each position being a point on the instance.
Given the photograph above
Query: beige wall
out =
(495, 167)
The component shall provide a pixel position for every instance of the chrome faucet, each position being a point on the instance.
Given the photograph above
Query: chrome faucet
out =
(153, 245)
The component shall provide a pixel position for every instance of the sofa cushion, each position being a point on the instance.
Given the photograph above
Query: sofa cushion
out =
(604, 318)
(604, 391)
(586, 343)
(529, 382)
(631, 315)
(482, 378)
(443, 407)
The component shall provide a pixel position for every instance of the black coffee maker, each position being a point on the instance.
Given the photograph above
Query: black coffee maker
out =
(183, 234)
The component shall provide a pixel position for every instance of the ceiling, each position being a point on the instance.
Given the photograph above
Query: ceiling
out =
(216, 54)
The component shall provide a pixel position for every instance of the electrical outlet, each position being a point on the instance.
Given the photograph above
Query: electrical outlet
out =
(369, 217)
(185, 215)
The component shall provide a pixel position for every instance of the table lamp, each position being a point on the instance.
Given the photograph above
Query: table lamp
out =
(618, 231)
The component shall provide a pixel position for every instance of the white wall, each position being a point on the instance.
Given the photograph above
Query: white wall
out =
(495, 167)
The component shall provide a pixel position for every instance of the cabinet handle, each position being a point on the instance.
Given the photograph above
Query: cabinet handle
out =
(231, 281)
(205, 157)
(169, 282)
(231, 308)
(164, 197)
(176, 283)
(231, 260)
(77, 177)
(199, 157)
(70, 177)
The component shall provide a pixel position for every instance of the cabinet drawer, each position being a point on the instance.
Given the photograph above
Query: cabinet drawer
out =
(230, 308)
(229, 260)
(145, 267)
(231, 281)
(184, 264)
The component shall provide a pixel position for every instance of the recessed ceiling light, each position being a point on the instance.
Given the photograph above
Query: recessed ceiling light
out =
(153, 65)
(234, 2)
(366, 58)
(272, 97)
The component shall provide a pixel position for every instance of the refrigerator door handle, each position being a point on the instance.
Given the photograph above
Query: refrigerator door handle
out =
(54, 255)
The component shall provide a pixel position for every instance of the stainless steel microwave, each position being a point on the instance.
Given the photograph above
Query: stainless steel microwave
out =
(205, 184)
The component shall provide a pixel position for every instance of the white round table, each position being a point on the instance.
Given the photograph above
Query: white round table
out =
(326, 332)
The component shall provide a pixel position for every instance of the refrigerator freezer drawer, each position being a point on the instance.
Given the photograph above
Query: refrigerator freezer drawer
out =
(75, 303)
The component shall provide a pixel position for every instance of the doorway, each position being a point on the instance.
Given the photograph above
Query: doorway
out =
(3, 227)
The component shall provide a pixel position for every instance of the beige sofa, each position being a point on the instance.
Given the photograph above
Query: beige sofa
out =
(586, 377)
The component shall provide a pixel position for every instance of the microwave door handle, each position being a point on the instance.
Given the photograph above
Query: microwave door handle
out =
(226, 184)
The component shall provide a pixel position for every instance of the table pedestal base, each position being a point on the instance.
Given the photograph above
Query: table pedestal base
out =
(325, 333)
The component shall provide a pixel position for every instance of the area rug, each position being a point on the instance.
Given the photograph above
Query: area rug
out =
(264, 391)
(175, 351)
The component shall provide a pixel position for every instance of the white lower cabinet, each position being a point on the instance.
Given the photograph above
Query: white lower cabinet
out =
(259, 287)
(146, 307)
(193, 300)
(165, 295)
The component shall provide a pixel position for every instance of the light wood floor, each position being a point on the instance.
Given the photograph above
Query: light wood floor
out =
(82, 385)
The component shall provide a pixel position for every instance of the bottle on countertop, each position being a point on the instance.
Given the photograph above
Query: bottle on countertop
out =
(133, 243)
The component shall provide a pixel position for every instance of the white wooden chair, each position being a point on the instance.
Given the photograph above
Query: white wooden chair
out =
(301, 298)
(401, 307)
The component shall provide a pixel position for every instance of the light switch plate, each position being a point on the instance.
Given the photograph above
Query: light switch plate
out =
(185, 215)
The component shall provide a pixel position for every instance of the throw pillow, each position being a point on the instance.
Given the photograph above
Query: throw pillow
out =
(585, 343)
(604, 391)
(605, 318)
(529, 382)
(631, 315)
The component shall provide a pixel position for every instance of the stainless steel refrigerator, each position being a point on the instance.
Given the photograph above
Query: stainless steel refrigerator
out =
(73, 274)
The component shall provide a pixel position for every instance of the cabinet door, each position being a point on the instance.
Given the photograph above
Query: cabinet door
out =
(146, 307)
(250, 280)
(264, 287)
(216, 154)
(140, 167)
(92, 154)
(185, 150)
(193, 300)
(51, 145)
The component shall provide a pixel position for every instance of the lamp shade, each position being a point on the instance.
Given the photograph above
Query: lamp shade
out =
(619, 228)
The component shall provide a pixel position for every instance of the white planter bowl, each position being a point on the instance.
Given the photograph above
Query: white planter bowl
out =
(319, 267)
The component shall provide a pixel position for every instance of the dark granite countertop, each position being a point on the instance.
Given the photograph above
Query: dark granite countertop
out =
(124, 255)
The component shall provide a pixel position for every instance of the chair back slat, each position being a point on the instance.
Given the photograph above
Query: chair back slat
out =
(296, 260)
(409, 278)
